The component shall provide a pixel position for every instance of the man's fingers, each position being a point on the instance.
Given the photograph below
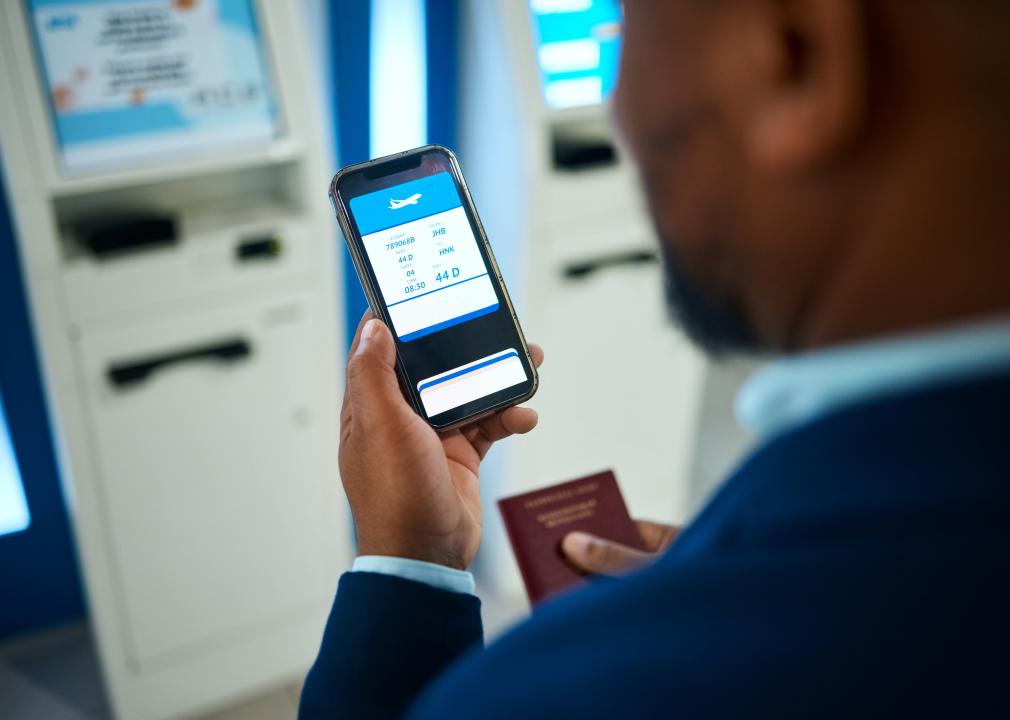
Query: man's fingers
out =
(372, 387)
(656, 537)
(518, 420)
(602, 557)
(345, 405)
(537, 353)
(510, 421)
(366, 316)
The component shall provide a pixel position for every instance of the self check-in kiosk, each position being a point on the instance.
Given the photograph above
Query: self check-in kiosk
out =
(167, 177)
(621, 388)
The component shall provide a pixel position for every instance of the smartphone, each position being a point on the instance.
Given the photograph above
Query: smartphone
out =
(427, 269)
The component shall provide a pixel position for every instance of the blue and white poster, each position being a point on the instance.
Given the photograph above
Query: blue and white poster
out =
(130, 80)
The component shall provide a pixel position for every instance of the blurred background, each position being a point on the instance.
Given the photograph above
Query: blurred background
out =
(176, 303)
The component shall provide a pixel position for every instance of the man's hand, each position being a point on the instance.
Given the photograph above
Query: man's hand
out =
(603, 557)
(414, 493)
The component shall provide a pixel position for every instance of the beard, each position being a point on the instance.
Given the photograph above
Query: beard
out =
(711, 313)
(718, 325)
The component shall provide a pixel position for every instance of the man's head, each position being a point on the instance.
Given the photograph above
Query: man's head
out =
(821, 170)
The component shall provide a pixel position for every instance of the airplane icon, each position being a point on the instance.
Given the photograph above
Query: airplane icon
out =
(397, 204)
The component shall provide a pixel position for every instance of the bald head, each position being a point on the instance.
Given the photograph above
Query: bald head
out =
(822, 170)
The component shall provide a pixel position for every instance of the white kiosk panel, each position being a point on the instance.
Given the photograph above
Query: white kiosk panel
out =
(167, 177)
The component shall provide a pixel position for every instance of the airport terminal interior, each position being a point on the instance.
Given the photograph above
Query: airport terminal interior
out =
(177, 305)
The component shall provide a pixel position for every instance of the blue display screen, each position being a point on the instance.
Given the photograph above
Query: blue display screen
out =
(578, 50)
(129, 79)
(425, 256)
(14, 515)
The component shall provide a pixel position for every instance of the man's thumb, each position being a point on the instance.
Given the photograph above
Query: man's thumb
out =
(371, 371)
(601, 557)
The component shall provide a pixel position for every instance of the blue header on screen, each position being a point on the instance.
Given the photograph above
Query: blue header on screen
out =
(405, 203)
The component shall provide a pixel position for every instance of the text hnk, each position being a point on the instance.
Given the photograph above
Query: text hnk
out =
(446, 250)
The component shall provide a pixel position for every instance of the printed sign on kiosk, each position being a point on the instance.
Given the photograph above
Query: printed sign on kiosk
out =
(132, 81)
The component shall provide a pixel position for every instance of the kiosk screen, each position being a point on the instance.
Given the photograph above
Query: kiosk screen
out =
(132, 80)
(578, 47)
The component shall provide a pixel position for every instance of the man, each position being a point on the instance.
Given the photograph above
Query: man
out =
(829, 179)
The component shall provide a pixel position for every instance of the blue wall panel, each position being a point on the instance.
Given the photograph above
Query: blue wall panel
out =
(350, 22)
(442, 30)
(40, 583)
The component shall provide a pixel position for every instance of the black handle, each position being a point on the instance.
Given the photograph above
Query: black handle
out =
(582, 270)
(125, 374)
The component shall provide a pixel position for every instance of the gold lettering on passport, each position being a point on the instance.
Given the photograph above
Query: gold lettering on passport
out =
(561, 495)
(568, 514)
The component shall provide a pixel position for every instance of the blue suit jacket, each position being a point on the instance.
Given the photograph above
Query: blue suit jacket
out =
(859, 566)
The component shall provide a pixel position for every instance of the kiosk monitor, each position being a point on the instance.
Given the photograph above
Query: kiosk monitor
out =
(132, 80)
(578, 47)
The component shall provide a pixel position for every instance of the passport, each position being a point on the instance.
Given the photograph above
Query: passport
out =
(537, 521)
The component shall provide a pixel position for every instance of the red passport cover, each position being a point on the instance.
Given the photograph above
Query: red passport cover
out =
(536, 522)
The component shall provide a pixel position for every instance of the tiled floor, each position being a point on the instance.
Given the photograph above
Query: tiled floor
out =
(54, 676)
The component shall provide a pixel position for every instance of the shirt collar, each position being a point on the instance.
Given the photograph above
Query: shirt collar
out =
(805, 387)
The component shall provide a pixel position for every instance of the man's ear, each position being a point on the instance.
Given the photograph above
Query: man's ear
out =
(801, 79)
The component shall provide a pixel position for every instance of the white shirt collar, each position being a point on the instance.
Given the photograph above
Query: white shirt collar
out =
(805, 387)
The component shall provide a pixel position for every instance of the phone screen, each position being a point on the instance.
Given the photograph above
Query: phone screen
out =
(459, 343)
